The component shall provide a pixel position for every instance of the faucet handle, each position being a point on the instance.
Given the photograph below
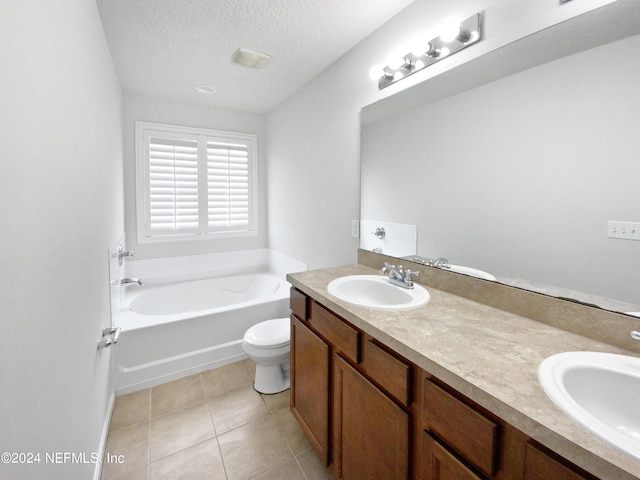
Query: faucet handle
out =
(408, 273)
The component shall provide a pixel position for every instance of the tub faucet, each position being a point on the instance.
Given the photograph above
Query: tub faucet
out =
(127, 281)
(398, 275)
(440, 262)
(120, 254)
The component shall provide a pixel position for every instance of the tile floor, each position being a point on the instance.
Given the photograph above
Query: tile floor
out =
(212, 425)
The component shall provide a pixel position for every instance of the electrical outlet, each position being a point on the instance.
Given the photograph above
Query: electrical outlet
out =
(355, 228)
(626, 230)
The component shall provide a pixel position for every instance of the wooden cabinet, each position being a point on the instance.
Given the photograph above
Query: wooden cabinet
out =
(437, 463)
(367, 389)
(390, 373)
(343, 338)
(310, 377)
(467, 432)
(371, 432)
(459, 436)
(542, 465)
(372, 414)
(310, 361)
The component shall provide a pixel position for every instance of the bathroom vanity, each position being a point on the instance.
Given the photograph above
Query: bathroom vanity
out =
(445, 391)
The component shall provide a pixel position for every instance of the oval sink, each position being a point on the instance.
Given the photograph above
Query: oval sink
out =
(600, 391)
(375, 291)
(472, 272)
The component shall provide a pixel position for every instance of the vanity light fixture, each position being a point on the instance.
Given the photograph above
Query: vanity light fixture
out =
(455, 36)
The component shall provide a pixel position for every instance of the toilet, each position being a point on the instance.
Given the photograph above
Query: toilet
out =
(268, 345)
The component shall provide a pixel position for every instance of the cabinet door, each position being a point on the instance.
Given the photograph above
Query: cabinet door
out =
(310, 357)
(436, 463)
(540, 466)
(371, 433)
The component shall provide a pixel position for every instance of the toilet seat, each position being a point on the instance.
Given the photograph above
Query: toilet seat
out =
(269, 334)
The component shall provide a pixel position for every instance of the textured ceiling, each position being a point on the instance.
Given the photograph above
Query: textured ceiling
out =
(167, 47)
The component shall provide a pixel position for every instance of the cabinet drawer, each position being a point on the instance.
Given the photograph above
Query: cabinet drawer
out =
(388, 371)
(299, 303)
(540, 466)
(436, 463)
(343, 337)
(469, 433)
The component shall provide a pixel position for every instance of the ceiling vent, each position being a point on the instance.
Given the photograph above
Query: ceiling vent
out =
(249, 58)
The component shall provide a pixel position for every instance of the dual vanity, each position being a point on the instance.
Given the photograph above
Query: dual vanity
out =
(449, 389)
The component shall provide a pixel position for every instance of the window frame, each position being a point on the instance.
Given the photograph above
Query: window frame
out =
(202, 136)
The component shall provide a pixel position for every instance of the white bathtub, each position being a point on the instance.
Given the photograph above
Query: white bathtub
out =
(170, 330)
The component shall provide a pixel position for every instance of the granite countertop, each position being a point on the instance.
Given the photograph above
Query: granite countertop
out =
(487, 354)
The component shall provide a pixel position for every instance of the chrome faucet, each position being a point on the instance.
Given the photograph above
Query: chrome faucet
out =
(440, 262)
(398, 275)
(122, 255)
(127, 281)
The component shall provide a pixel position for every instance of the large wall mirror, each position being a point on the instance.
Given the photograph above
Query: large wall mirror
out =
(515, 162)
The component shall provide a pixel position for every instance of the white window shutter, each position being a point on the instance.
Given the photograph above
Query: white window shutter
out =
(173, 185)
(194, 183)
(228, 184)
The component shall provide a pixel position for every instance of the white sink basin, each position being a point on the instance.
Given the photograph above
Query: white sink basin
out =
(375, 291)
(473, 272)
(599, 390)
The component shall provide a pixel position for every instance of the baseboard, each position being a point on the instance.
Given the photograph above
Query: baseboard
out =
(105, 433)
(135, 387)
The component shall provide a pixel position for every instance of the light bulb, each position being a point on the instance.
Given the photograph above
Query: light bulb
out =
(395, 62)
(376, 72)
(450, 29)
(419, 45)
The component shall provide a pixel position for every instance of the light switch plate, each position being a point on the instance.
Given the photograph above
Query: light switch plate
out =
(626, 230)
(355, 228)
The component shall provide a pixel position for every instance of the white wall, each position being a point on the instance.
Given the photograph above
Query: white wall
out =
(314, 136)
(158, 110)
(61, 207)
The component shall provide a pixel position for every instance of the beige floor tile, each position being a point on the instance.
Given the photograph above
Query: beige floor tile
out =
(250, 365)
(236, 409)
(138, 474)
(277, 401)
(179, 430)
(289, 471)
(253, 449)
(133, 444)
(200, 462)
(312, 467)
(291, 431)
(225, 379)
(130, 409)
(176, 395)
(172, 426)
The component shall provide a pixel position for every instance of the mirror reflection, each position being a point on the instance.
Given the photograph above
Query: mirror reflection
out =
(519, 178)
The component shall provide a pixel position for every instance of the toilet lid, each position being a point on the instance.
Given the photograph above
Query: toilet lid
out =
(269, 334)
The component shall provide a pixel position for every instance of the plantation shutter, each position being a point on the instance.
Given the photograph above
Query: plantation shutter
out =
(194, 183)
(173, 185)
(227, 185)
